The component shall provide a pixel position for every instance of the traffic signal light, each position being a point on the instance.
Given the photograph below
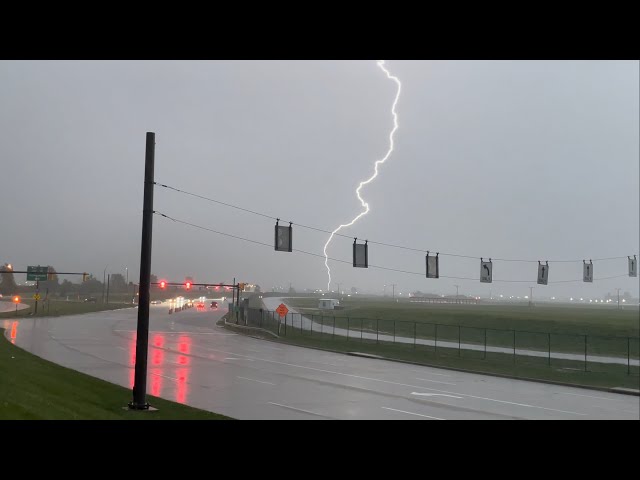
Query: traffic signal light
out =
(163, 284)
(16, 299)
(85, 277)
(187, 285)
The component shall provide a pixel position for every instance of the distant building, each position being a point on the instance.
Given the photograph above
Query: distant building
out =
(328, 303)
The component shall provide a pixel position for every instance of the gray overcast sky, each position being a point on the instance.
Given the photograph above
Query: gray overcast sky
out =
(502, 159)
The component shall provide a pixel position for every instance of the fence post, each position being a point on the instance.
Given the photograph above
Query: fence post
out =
(414, 334)
(334, 328)
(459, 340)
(628, 355)
(311, 330)
(514, 346)
(485, 345)
(347, 329)
(377, 331)
(549, 335)
(360, 330)
(285, 325)
(321, 325)
(394, 331)
(585, 353)
(436, 339)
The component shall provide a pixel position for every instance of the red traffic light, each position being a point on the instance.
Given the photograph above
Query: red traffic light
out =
(163, 284)
(187, 285)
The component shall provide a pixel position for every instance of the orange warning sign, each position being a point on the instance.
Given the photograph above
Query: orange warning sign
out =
(282, 310)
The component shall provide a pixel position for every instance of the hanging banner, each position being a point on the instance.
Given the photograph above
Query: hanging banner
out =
(543, 273)
(433, 267)
(284, 238)
(486, 271)
(360, 254)
(587, 271)
(633, 266)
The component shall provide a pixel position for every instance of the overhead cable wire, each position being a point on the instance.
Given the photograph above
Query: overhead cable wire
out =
(176, 220)
(391, 245)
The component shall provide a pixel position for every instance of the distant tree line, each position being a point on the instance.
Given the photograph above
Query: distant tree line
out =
(116, 284)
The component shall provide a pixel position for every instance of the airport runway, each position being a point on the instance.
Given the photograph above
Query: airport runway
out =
(192, 361)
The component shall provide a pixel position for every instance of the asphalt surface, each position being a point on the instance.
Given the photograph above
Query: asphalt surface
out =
(8, 306)
(192, 361)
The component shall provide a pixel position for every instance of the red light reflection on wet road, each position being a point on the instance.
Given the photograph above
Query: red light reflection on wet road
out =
(14, 332)
(158, 363)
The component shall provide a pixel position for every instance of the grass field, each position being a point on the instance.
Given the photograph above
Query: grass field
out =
(541, 318)
(607, 332)
(33, 388)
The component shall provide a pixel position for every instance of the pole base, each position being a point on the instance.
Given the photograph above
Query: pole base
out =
(137, 406)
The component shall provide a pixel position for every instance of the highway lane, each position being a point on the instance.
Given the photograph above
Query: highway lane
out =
(193, 361)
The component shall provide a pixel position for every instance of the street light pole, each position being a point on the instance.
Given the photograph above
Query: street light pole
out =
(531, 296)
(142, 336)
(618, 298)
(104, 281)
(457, 286)
(394, 290)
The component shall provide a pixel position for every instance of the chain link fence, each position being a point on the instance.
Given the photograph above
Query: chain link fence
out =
(591, 353)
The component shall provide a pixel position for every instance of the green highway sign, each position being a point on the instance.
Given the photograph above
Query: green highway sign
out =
(37, 273)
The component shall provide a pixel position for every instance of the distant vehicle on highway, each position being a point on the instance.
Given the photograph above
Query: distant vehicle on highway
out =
(200, 306)
(156, 302)
(91, 300)
(214, 304)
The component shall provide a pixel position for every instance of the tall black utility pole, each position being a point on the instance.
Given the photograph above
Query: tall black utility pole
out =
(142, 340)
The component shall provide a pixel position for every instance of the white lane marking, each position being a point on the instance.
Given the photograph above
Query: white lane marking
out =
(434, 395)
(402, 384)
(411, 413)
(588, 396)
(434, 381)
(233, 358)
(183, 333)
(298, 409)
(430, 373)
(164, 376)
(523, 404)
(254, 380)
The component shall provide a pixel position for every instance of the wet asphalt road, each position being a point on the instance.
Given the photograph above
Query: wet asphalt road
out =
(192, 361)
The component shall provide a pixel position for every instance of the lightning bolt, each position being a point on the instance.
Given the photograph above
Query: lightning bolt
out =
(380, 63)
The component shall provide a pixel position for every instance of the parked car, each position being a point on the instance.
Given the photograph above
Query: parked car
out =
(91, 300)
(214, 304)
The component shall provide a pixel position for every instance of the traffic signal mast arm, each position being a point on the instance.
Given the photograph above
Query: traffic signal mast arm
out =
(55, 273)
(182, 284)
